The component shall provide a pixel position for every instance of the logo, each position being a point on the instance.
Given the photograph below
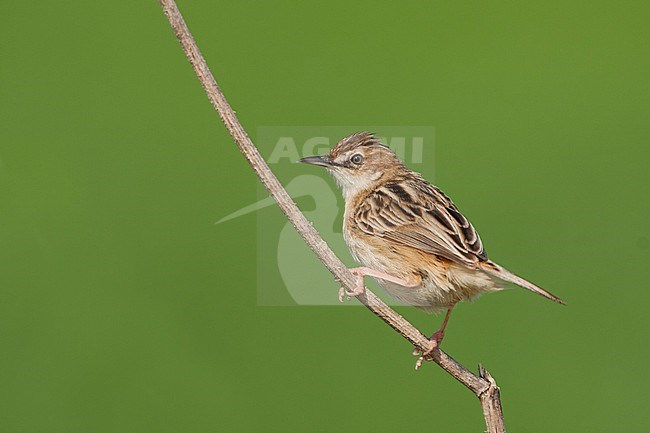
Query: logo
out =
(288, 273)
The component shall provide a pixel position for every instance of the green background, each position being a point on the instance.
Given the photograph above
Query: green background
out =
(123, 308)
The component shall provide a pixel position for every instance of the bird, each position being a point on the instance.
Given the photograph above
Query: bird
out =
(408, 235)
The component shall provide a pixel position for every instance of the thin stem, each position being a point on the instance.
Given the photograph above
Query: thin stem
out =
(482, 386)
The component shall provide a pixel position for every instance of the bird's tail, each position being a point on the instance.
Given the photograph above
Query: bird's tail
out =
(503, 274)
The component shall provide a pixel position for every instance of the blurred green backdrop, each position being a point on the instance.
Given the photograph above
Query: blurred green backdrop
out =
(124, 308)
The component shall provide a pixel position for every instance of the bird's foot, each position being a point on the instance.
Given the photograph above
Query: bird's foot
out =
(358, 290)
(435, 340)
(350, 293)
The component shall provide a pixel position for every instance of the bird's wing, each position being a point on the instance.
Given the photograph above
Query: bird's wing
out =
(415, 213)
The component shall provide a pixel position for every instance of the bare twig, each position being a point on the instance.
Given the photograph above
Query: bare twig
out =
(483, 386)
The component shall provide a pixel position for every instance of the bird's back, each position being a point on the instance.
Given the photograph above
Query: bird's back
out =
(408, 227)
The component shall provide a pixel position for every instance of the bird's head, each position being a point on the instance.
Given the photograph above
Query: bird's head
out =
(358, 163)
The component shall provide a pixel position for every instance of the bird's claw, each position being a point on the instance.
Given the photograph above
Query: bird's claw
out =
(435, 340)
(426, 353)
(350, 293)
(359, 290)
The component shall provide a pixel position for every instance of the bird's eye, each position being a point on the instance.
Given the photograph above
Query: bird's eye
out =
(357, 159)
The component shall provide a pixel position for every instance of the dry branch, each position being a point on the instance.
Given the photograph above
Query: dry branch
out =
(483, 385)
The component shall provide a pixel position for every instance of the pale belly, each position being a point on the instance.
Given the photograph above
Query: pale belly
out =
(437, 284)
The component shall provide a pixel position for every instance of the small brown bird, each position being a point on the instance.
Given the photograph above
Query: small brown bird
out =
(408, 234)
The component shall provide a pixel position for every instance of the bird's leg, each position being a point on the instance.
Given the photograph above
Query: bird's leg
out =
(436, 339)
(362, 272)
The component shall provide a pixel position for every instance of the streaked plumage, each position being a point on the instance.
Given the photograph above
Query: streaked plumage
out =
(399, 224)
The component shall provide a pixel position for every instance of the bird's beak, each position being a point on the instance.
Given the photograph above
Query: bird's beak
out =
(323, 161)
